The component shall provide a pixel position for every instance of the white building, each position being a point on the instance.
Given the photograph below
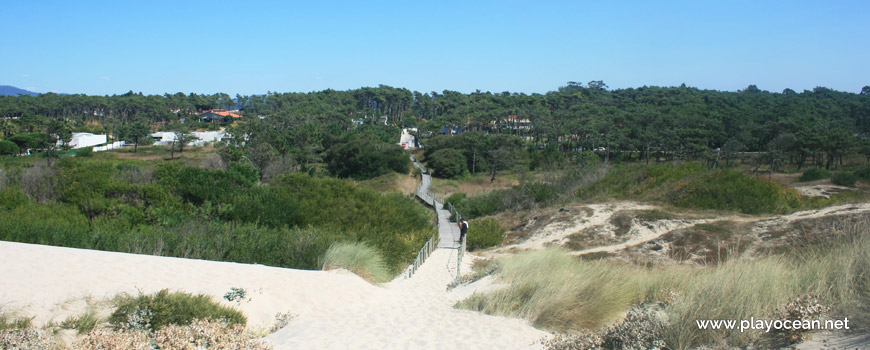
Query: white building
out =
(199, 138)
(163, 137)
(407, 140)
(84, 139)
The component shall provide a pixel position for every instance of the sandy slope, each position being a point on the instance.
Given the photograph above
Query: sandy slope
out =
(336, 310)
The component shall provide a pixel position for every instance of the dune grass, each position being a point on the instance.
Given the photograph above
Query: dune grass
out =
(358, 258)
(558, 292)
(10, 321)
(83, 323)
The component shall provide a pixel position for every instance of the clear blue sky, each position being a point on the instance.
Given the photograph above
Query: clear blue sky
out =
(111, 47)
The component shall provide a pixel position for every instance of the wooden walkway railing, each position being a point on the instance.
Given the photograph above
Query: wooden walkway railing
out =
(422, 255)
(425, 194)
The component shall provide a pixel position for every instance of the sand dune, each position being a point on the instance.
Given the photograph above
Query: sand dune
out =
(335, 310)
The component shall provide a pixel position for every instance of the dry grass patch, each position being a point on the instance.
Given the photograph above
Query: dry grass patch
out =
(473, 185)
(391, 182)
(707, 243)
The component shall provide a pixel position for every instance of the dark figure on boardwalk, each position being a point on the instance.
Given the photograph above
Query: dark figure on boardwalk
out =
(463, 229)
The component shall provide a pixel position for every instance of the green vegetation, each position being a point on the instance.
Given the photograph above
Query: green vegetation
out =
(9, 321)
(358, 258)
(8, 148)
(559, 292)
(847, 178)
(522, 196)
(691, 185)
(362, 158)
(484, 233)
(447, 163)
(164, 308)
(813, 174)
(84, 152)
(863, 172)
(82, 324)
(181, 211)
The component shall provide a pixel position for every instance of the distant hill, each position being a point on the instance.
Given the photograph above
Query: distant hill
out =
(6, 90)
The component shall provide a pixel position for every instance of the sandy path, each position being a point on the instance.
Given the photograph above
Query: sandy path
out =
(410, 314)
(336, 310)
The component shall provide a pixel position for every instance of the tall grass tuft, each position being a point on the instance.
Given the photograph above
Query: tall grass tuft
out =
(559, 292)
(359, 258)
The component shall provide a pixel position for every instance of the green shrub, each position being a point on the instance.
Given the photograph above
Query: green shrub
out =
(8, 148)
(243, 173)
(361, 158)
(845, 179)
(84, 152)
(813, 174)
(863, 172)
(480, 205)
(540, 192)
(165, 308)
(484, 233)
(733, 190)
(359, 258)
(11, 198)
(447, 163)
(214, 215)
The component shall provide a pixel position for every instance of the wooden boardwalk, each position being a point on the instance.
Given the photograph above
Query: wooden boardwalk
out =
(448, 232)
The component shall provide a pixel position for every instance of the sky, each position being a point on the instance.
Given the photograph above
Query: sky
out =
(254, 47)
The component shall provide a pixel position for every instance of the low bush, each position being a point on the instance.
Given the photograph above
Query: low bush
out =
(358, 258)
(813, 174)
(484, 233)
(8, 148)
(845, 179)
(477, 206)
(164, 308)
(863, 172)
(523, 196)
(733, 190)
(84, 152)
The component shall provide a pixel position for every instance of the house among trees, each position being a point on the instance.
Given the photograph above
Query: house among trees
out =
(219, 115)
(514, 123)
(451, 130)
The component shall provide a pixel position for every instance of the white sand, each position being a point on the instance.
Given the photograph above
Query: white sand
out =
(336, 310)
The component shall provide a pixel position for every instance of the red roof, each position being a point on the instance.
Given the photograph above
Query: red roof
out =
(222, 113)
